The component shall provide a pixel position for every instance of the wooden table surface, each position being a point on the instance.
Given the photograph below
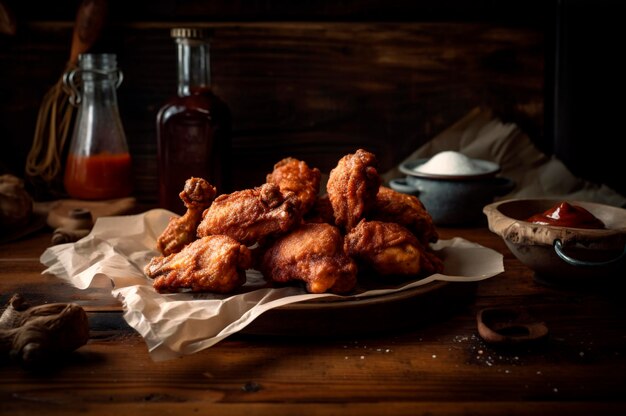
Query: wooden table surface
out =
(435, 368)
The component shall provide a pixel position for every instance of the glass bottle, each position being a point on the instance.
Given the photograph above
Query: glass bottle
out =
(194, 127)
(98, 164)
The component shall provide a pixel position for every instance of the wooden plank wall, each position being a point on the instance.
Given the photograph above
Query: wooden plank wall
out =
(313, 80)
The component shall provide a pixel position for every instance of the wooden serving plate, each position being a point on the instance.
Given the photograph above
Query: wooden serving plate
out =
(413, 307)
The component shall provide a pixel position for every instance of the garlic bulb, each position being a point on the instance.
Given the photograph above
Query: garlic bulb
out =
(16, 205)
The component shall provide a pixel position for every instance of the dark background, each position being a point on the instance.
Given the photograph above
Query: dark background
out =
(586, 97)
(317, 79)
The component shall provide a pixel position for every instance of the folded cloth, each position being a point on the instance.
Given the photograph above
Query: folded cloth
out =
(480, 135)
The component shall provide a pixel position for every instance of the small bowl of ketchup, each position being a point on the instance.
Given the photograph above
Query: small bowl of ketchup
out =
(562, 241)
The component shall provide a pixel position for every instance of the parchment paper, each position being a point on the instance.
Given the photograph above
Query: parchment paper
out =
(174, 325)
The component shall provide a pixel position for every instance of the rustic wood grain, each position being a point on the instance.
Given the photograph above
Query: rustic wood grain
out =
(442, 367)
(512, 12)
(433, 408)
(314, 90)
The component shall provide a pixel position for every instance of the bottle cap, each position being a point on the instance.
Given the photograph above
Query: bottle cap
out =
(188, 32)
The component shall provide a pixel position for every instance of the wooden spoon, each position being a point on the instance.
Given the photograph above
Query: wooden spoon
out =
(509, 325)
(90, 20)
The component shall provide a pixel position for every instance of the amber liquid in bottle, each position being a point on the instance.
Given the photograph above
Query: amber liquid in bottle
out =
(194, 140)
(193, 131)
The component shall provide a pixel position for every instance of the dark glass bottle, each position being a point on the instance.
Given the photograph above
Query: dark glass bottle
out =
(194, 127)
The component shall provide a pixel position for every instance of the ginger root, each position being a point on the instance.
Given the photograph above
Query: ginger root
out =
(34, 335)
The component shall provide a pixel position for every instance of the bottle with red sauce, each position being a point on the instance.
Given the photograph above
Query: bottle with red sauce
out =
(194, 127)
(98, 165)
(567, 215)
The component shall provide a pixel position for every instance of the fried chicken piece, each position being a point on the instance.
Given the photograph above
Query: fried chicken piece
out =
(390, 249)
(352, 187)
(313, 253)
(251, 215)
(197, 196)
(293, 175)
(406, 210)
(215, 263)
(322, 211)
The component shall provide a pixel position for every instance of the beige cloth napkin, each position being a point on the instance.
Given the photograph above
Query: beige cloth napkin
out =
(480, 135)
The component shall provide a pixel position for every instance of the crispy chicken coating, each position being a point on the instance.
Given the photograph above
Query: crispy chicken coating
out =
(251, 215)
(197, 195)
(390, 249)
(215, 263)
(406, 210)
(321, 211)
(291, 233)
(313, 253)
(293, 175)
(352, 187)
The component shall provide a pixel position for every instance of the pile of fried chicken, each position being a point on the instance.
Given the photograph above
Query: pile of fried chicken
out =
(290, 232)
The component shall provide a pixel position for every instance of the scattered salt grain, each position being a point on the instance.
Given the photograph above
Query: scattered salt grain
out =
(450, 163)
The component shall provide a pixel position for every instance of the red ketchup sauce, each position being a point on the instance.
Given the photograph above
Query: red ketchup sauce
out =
(567, 215)
(100, 176)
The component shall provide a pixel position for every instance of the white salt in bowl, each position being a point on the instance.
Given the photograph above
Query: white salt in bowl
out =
(453, 187)
(450, 165)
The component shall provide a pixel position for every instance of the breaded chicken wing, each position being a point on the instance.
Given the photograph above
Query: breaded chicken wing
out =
(215, 263)
(251, 215)
(390, 249)
(312, 253)
(293, 175)
(406, 210)
(197, 196)
(352, 187)
(322, 211)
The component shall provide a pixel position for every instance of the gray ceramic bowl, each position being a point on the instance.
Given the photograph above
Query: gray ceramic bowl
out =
(562, 254)
(453, 200)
